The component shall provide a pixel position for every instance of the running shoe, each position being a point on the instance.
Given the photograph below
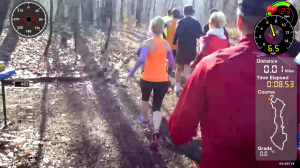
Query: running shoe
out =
(145, 124)
(169, 71)
(178, 91)
(155, 142)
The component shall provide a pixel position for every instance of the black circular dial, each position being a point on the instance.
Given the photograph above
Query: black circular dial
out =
(266, 31)
(29, 19)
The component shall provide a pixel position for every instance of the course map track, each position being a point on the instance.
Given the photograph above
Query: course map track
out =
(282, 126)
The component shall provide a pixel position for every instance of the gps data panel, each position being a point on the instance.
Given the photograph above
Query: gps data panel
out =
(276, 109)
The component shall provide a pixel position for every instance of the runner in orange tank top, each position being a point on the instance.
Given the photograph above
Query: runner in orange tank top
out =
(171, 30)
(154, 53)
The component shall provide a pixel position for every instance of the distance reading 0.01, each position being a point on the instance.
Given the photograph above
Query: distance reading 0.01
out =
(274, 69)
(280, 84)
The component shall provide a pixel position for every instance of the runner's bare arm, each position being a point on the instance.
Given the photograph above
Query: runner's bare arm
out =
(179, 31)
(170, 56)
(187, 114)
(204, 43)
(142, 58)
(200, 33)
(168, 24)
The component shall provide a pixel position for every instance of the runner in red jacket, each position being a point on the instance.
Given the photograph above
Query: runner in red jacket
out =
(215, 38)
(220, 94)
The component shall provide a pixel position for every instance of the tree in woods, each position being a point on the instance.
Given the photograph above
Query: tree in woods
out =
(139, 10)
(87, 11)
(109, 15)
(60, 12)
(149, 8)
(75, 22)
(122, 12)
(132, 7)
(154, 7)
(82, 8)
(169, 4)
(4, 7)
(90, 11)
(210, 4)
(51, 29)
(3, 11)
(108, 11)
(101, 13)
(227, 5)
(109, 29)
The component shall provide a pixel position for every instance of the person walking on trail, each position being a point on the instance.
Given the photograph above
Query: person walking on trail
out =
(171, 29)
(168, 16)
(187, 32)
(154, 53)
(215, 38)
(220, 94)
(206, 27)
(138, 52)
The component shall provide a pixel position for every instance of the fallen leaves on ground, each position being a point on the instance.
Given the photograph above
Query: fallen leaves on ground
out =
(92, 123)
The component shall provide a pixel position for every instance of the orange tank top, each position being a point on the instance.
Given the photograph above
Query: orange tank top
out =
(155, 65)
(171, 33)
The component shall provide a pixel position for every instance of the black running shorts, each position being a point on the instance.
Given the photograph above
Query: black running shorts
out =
(159, 91)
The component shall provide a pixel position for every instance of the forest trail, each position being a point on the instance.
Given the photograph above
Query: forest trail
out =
(91, 122)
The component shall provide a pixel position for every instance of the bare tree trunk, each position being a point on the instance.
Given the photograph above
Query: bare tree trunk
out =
(83, 10)
(122, 12)
(62, 12)
(98, 12)
(90, 11)
(148, 10)
(75, 24)
(51, 29)
(139, 10)
(108, 7)
(149, 7)
(166, 6)
(102, 12)
(58, 6)
(132, 7)
(174, 3)
(3, 11)
(154, 8)
(114, 10)
(109, 32)
(194, 3)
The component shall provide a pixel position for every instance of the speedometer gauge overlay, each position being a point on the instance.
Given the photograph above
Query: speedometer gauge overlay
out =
(29, 19)
(266, 30)
(276, 109)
